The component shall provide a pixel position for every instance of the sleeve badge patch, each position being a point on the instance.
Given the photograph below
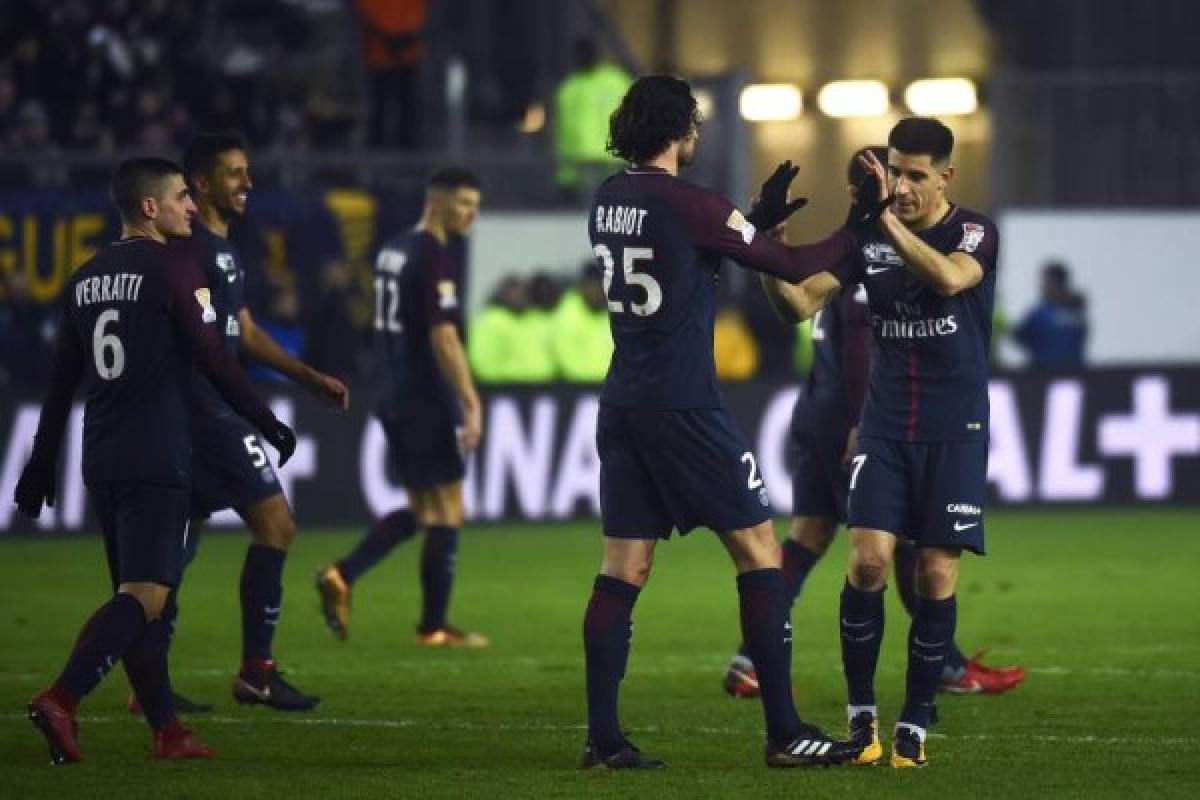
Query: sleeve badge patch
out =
(447, 295)
(972, 236)
(742, 225)
(204, 298)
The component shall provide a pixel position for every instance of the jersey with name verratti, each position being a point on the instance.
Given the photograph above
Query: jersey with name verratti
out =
(660, 241)
(930, 357)
(137, 317)
(417, 287)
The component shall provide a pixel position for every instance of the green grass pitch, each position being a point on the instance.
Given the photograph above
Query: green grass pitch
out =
(1101, 606)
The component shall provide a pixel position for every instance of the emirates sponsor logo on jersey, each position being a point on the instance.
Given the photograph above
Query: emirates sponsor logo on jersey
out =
(972, 237)
(926, 328)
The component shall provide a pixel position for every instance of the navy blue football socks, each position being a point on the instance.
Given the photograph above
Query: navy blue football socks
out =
(764, 608)
(798, 561)
(146, 665)
(906, 587)
(438, 557)
(262, 600)
(381, 538)
(861, 621)
(607, 631)
(105, 637)
(931, 632)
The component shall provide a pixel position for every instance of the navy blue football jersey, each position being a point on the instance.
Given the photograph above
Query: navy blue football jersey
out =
(660, 241)
(226, 282)
(930, 359)
(840, 339)
(136, 317)
(417, 286)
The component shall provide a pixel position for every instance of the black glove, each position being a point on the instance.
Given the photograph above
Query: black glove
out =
(282, 438)
(772, 208)
(867, 206)
(36, 484)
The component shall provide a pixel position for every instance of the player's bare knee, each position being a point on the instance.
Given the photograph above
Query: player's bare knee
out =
(628, 560)
(814, 534)
(151, 596)
(937, 580)
(869, 575)
(277, 532)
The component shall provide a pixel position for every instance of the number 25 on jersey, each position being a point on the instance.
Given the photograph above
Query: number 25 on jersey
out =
(630, 256)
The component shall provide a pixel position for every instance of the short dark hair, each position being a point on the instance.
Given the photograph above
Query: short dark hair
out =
(137, 178)
(918, 136)
(657, 110)
(450, 178)
(201, 154)
(855, 172)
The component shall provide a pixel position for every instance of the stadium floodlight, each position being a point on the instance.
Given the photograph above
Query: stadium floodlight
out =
(853, 99)
(761, 102)
(932, 97)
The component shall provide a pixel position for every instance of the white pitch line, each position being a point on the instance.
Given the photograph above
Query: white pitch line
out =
(338, 722)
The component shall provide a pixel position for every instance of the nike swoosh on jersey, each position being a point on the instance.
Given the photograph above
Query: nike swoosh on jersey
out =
(959, 527)
(876, 270)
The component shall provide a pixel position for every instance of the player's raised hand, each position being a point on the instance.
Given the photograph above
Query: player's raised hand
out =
(772, 207)
(331, 390)
(35, 486)
(283, 439)
(870, 198)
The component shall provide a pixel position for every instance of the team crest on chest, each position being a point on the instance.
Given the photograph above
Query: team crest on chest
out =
(972, 236)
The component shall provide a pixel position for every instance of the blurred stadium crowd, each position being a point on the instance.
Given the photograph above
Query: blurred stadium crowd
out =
(142, 74)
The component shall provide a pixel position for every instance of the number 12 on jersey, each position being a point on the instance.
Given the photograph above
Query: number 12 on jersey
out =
(630, 256)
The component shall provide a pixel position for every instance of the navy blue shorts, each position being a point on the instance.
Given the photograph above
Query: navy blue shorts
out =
(929, 492)
(145, 526)
(230, 466)
(423, 446)
(816, 449)
(665, 470)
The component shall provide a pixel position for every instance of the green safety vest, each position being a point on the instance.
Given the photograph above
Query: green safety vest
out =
(582, 105)
(582, 342)
(507, 347)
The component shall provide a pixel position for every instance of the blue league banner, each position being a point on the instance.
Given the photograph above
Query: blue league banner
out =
(1117, 437)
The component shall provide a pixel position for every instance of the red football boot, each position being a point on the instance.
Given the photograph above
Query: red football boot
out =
(176, 742)
(53, 715)
(979, 678)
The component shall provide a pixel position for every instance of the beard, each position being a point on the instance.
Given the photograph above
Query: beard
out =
(687, 152)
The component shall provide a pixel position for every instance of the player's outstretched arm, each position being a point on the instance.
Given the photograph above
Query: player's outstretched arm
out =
(796, 303)
(714, 224)
(37, 482)
(259, 345)
(209, 353)
(452, 360)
